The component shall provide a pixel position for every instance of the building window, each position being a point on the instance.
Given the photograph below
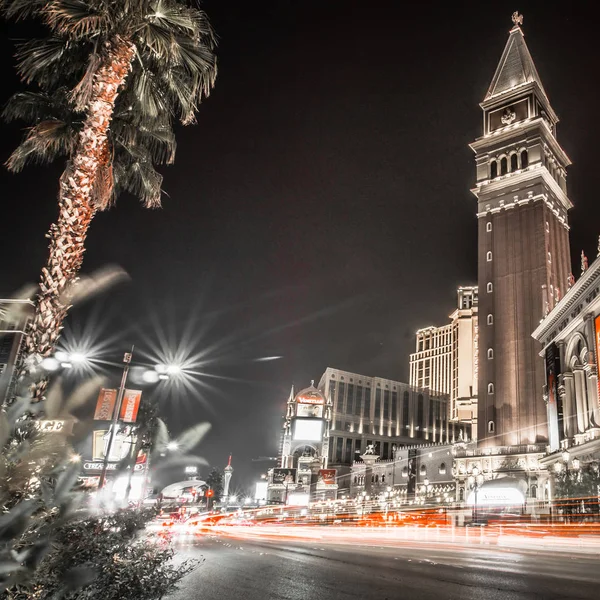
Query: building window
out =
(493, 169)
(547, 227)
(490, 287)
(491, 427)
(490, 353)
(405, 403)
(549, 258)
(524, 159)
(420, 410)
(383, 479)
(404, 471)
(488, 256)
(423, 470)
(490, 319)
(488, 226)
(513, 162)
(443, 469)
(490, 389)
(503, 166)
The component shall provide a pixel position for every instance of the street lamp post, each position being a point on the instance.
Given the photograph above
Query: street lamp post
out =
(115, 418)
(475, 492)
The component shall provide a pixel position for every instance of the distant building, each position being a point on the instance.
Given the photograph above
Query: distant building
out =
(383, 413)
(303, 472)
(418, 473)
(446, 358)
(14, 317)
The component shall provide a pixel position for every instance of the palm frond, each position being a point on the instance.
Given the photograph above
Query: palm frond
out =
(27, 106)
(21, 9)
(37, 59)
(43, 144)
(174, 17)
(155, 136)
(77, 19)
(135, 173)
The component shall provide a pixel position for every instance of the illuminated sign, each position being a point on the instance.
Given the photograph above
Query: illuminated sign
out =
(284, 476)
(298, 499)
(309, 410)
(54, 425)
(261, 491)
(309, 430)
(97, 466)
(310, 398)
(497, 496)
(326, 477)
(191, 470)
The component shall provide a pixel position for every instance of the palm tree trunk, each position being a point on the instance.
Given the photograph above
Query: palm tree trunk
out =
(76, 210)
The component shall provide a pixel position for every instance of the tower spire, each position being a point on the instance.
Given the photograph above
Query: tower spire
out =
(516, 67)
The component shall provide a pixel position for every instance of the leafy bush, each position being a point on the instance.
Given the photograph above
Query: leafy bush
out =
(105, 557)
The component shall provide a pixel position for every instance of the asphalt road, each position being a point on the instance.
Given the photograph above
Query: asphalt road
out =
(235, 569)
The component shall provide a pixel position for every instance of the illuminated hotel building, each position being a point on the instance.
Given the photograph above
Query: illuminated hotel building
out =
(570, 346)
(383, 413)
(446, 358)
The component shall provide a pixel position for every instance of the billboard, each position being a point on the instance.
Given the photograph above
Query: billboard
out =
(310, 398)
(298, 499)
(309, 410)
(105, 405)
(597, 326)
(308, 430)
(261, 491)
(130, 405)
(326, 477)
(284, 476)
(555, 411)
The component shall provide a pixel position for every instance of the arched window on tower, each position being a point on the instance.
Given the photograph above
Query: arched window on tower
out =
(513, 162)
(493, 169)
(488, 256)
(524, 159)
(488, 226)
(490, 319)
(491, 427)
(490, 287)
(490, 389)
(490, 353)
(503, 166)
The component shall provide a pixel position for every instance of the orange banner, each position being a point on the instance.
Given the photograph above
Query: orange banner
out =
(105, 405)
(597, 326)
(130, 405)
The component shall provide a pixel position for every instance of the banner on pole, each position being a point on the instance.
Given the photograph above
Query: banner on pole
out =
(130, 405)
(105, 405)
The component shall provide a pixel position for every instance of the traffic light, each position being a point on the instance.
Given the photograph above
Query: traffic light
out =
(210, 493)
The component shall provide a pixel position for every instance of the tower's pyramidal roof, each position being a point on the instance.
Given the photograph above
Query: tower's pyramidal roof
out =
(515, 67)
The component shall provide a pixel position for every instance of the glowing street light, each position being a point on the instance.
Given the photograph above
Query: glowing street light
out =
(77, 358)
(50, 364)
(66, 360)
(172, 446)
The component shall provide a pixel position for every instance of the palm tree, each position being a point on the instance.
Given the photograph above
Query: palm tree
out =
(112, 77)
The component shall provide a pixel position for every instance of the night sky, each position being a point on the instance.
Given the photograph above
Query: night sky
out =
(320, 209)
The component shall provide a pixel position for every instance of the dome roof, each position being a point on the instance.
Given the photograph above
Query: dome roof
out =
(310, 395)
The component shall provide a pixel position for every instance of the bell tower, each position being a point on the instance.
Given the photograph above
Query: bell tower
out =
(523, 245)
